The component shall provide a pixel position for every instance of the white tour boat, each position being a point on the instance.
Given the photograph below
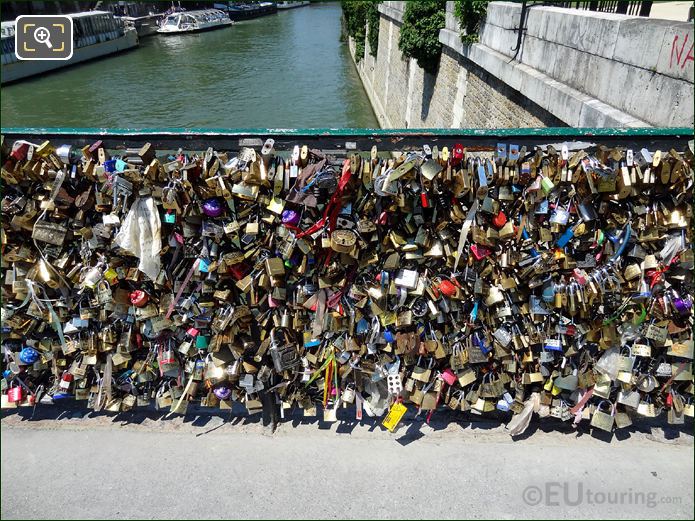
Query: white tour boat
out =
(194, 21)
(291, 5)
(95, 34)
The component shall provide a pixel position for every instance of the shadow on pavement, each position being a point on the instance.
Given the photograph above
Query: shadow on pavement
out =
(409, 430)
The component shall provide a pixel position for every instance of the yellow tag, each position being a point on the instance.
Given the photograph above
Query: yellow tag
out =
(276, 205)
(394, 416)
(111, 276)
(388, 318)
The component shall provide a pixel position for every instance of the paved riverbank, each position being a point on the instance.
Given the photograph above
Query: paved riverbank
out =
(138, 467)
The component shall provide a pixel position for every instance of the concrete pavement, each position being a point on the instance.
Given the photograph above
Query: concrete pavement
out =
(73, 467)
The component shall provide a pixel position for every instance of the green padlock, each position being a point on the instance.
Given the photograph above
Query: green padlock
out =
(201, 342)
(547, 185)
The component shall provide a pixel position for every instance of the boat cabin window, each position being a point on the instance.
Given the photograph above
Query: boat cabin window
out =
(8, 30)
(95, 29)
(8, 54)
(100, 27)
(172, 21)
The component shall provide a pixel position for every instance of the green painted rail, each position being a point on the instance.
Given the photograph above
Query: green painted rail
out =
(352, 139)
(502, 132)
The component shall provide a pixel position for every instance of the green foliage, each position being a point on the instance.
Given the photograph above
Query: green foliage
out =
(419, 38)
(359, 50)
(470, 14)
(373, 25)
(355, 16)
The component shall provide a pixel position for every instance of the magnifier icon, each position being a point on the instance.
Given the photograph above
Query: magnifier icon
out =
(43, 35)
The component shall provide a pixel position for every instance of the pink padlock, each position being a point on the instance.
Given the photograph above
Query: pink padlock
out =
(448, 376)
(138, 298)
(192, 331)
(480, 252)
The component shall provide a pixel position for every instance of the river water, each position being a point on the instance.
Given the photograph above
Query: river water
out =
(286, 70)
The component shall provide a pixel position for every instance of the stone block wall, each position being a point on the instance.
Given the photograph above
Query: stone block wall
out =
(488, 102)
(566, 72)
(640, 66)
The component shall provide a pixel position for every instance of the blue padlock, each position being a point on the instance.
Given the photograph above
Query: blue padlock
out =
(548, 293)
(362, 326)
(28, 355)
(565, 238)
(110, 166)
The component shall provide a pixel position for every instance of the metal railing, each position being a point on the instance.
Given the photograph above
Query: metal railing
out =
(619, 7)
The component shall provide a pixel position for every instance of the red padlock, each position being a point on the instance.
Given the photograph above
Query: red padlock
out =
(447, 288)
(14, 394)
(424, 199)
(457, 154)
(20, 152)
(499, 220)
(66, 380)
(139, 298)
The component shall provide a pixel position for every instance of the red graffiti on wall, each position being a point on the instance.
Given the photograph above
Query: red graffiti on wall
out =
(678, 53)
